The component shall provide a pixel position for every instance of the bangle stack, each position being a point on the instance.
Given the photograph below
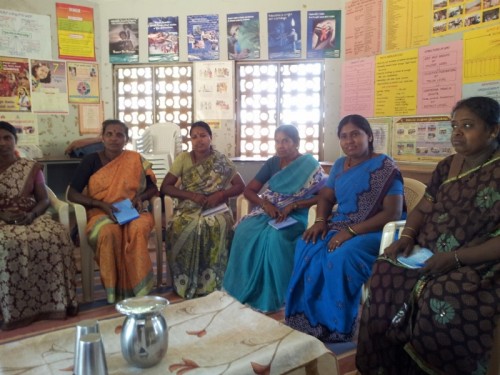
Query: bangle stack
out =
(319, 220)
(352, 231)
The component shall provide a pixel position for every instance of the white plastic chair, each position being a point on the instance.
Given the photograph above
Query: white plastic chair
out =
(87, 253)
(160, 143)
(60, 207)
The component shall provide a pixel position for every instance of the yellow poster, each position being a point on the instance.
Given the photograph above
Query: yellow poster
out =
(408, 24)
(396, 84)
(75, 32)
(482, 55)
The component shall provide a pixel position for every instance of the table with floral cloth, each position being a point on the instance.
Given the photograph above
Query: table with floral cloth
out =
(209, 335)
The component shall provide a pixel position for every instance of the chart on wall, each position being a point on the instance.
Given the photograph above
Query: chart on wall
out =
(75, 32)
(24, 35)
(424, 139)
(214, 90)
(83, 83)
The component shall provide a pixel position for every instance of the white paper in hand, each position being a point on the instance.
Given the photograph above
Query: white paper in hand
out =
(285, 223)
(417, 257)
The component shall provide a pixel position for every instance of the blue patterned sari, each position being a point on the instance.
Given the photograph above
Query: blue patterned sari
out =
(261, 259)
(325, 288)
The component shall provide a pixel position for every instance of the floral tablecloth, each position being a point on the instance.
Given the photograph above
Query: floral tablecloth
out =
(210, 335)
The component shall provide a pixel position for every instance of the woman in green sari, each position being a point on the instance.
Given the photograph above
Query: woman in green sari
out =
(197, 243)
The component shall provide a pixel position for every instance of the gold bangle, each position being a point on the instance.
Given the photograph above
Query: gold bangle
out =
(407, 236)
(352, 231)
(319, 220)
(410, 228)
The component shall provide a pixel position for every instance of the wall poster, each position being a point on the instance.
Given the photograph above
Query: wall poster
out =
(214, 90)
(243, 36)
(323, 34)
(423, 139)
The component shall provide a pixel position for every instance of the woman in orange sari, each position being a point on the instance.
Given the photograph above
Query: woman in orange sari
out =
(111, 176)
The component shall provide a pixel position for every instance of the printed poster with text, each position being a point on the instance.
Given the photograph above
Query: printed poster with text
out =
(460, 15)
(421, 139)
(83, 83)
(381, 134)
(323, 34)
(15, 92)
(482, 55)
(284, 35)
(396, 84)
(48, 85)
(440, 77)
(163, 39)
(214, 90)
(363, 28)
(408, 24)
(243, 36)
(75, 32)
(26, 126)
(25, 35)
(124, 40)
(203, 37)
(358, 87)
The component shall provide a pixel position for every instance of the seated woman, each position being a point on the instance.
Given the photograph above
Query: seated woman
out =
(37, 268)
(335, 256)
(197, 245)
(261, 259)
(111, 176)
(454, 299)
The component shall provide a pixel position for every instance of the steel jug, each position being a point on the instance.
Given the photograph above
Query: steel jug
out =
(144, 336)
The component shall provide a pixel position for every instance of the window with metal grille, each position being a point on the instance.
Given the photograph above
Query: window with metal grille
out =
(147, 94)
(272, 94)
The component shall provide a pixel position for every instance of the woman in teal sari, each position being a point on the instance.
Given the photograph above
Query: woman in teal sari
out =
(261, 258)
(198, 244)
(335, 256)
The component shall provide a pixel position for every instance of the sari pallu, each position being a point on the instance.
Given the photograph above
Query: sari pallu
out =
(37, 269)
(454, 314)
(197, 246)
(325, 287)
(261, 259)
(121, 250)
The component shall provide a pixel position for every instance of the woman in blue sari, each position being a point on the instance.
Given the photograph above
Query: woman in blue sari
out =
(261, 257)
(335, 256)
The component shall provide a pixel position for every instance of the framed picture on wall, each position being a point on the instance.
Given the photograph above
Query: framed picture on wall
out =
(90, 118)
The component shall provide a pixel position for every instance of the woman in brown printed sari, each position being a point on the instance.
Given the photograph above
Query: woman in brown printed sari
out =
(37, 269)
(453, 301)
(198, 244)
